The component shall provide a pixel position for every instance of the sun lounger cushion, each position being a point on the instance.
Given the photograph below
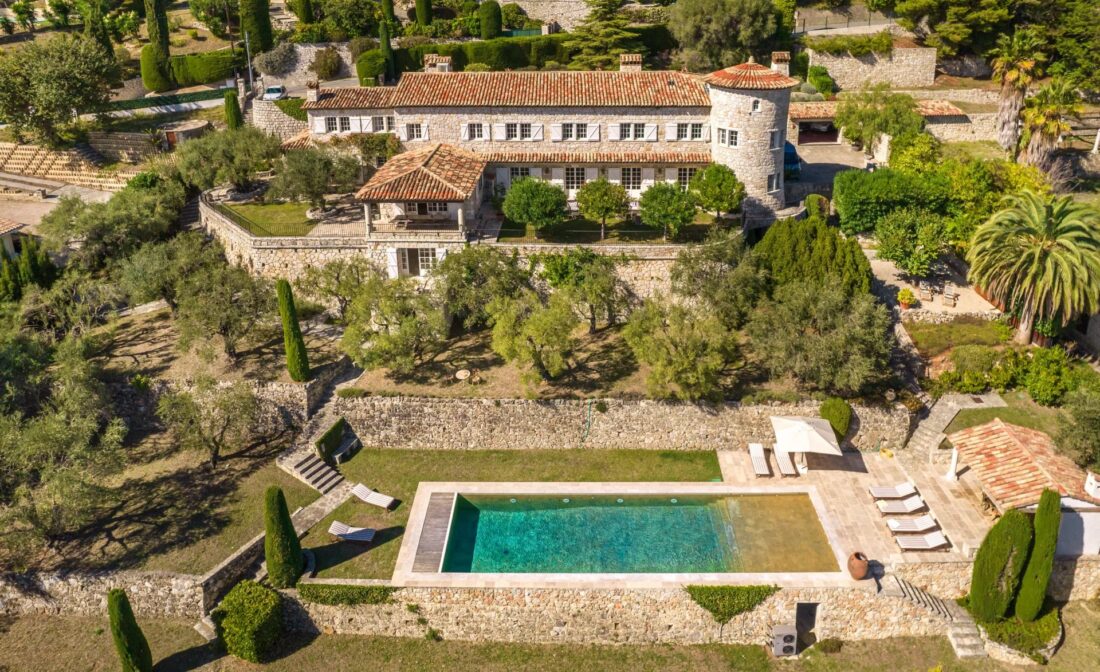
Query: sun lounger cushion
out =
(893, 491)
(786, 467)
(908, 505)
(347, 533)
(759, 460)
(921, 524)
(924, 542)
(372, 496)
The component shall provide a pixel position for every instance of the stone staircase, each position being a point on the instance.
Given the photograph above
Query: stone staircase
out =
(312, 470)
(962, 632)
(190, 216)
(81, 166)
(929, 433)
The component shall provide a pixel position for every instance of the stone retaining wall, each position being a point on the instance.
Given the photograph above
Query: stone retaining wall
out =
(150, 593)
(977, 96)
(1071, 579)
(306, 53)
(969, 127)
(909, 67)
(936, 317)
(267, 116)
(967, 65)
(519, 424)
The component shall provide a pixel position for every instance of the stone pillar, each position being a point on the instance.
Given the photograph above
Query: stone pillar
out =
(313, 89)
(462, 218)
(953, 471)
(366, 216)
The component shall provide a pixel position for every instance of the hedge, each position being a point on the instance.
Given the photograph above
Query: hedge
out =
(250, 621)
(158, 101)
(297, 359)
(820, 79)
(863, 198)
(369, 66)
(1033, 588)
(233, 117)
(725, 602)
(292, 107)
(130, 643)
(153, 77)
(335, 594)
(489, 13)
(282, 549)
(839, 414)
(997, 566)
(881, 43)
(211, 66)
(817, 206)
(331, 440)
(500, 54)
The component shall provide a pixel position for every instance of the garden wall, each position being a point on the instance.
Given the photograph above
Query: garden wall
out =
(611, 616)
(1072, 578)
(267, 116)
(526, 424)
(967, 127)
(914, 66)
(150, 593)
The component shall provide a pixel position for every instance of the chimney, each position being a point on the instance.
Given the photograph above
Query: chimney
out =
(781, 62)
(630, 62)
(437, 63)
(312, 91)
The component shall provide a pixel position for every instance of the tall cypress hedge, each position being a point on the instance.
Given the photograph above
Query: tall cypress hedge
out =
(424, 12)
(95, 27)
(256, 21)
(133, 649)
(233, 117)
(282, 550)
(489, 12)
(156, 22)
(389, 69)
(153, 77)
(297, 361)
(1033, 587)
(387, 11)
(998, 565)
(303, 9)
(202, 68)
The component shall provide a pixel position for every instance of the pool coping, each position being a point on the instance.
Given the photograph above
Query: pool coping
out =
(404, 576)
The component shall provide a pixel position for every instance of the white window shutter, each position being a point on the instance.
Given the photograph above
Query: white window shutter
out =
(615, 175)
(613, 131)
(484, 132)
(593, 132)
(557, 176)
(498, 131)
(648, 175)
(670, 132)
(650, 132)
(402, 132)
(591, 174)
(391, 261)
(503, 177)
(424, 131)
(555, 132)
(465, 131)
(318, 124)
(440, 254)
(706, 132)
(536, 132)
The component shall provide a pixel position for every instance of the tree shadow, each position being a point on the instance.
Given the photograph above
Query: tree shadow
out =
(338, 552)
(194, 658)
(607, 361)
(292, 642)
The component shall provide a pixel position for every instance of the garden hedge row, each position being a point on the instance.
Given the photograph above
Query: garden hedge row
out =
(211, 66)
(881, 43)
(725, 602)
(157, 101)
(863, 198)
(250, 621)
(330, 440)
(332, 594)
(997, 566)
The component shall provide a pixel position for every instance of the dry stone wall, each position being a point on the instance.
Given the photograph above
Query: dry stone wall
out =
(524, 424)
(901, 68)
(150, 593)
(1071, 579)
(968, 127)
(267, 116)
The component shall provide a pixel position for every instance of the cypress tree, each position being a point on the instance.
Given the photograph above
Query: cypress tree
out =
(387, 11)
(304, 10)
(45, 271)
(297, 362)
(489, 12)
(424, 12)
(95, 28)
(387, 50)
(10, 287)
(27, 263)
(998, 565)
(156, 22)
(282, 550)
(256, 21)
(233, 118)
(1033, 588)
(133, 650)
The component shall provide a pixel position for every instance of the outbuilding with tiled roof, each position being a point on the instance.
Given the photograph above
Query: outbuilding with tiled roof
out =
(8, 230)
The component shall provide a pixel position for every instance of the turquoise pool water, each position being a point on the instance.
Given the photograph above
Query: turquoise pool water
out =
(636, 534)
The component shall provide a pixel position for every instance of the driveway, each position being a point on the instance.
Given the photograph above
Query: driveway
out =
(821, 163)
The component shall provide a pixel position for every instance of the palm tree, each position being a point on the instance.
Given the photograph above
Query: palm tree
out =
(1040, 254)
(1016, 61)
(1046, 120)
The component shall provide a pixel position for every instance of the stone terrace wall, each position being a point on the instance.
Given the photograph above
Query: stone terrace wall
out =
(977, 96)
(505, 424)
(969, 127)
(306, 53)
(1072, 578)
(611, 616)
(151, 593)
(267, 116)
(903, 67)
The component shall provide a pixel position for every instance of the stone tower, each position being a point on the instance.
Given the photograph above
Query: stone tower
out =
(748, 120)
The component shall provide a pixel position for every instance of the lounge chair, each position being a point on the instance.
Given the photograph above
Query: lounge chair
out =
(950, 294)
(372, 496)
(783, 459)
(921, 542)
(926, 292)
(912, 525)
(909, 505)
(899, 491)
(759, 459)
(346, 533)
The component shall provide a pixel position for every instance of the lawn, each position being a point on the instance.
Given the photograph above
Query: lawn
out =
(274, 219)
(143, 121)
(176, 647)
(977, 149)
(398, 472)
(933, 340)
(579, 230)
(1021, 410)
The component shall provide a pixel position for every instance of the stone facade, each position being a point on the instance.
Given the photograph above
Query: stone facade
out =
(968, 127)
(759, 119)
(518, 424)
(904, 67)
(306, 53)
(1071, 579)
(267, 116)
(150, 593)
(977, 96)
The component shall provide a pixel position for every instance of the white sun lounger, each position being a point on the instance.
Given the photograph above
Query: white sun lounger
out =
(759, 459)
(372, 496)
(783, 460)
(912, 525)
(346, 533)
(921, 542)
(909, 505)
(898, 491)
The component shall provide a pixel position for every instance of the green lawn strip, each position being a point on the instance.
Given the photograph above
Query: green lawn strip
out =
(275, 219)
(578, 231)
(292, 107)
(935, 339)
(244, 518)
(978, 149)
(1021, 410)
(398, 472)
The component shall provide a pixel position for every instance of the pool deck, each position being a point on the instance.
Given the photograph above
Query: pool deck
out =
(427, 516)
(843, 483)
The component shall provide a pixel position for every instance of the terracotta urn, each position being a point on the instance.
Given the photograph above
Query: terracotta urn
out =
(858, 564)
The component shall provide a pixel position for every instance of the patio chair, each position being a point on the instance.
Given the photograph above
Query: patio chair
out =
(899, 491)
(896, 506)
(783, 460)
(759, 459)
(372, 496)
(926, 292)
(346, 533)
(921, 542)
(950, 294)
(912, 525)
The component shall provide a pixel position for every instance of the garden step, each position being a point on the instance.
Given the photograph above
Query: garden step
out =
(205, 627)
(923, 599)
(329, 482)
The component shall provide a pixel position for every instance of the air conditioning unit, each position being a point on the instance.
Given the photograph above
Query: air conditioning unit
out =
(784, 640)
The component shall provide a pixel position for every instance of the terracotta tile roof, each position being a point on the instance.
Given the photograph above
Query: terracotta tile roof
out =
(352, 98)
(8, 226)
(826, 109)
(1015, 464)
(645, 88)
(574, 158)
(437, 173)
(300, 141)
(750, 76)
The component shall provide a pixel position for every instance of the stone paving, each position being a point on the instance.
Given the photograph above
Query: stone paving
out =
(889, 280)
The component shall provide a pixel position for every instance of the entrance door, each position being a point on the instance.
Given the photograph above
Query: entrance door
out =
(412, 263)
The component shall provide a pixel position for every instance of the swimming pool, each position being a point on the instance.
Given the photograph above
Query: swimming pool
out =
(635, 534)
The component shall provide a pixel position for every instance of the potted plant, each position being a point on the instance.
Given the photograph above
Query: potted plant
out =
(1045, 331)
(858, 566)
(906, 298)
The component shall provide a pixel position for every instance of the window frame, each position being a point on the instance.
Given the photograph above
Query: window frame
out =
(426, 258)
(574, 171)
(414, 131)
(685, 182)
(634, 183)
(330, 124)
(525, 131)
(511, 131)
(516, 173)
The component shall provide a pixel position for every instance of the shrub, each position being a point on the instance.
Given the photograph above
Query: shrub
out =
(297, 361)
(725, 602)
(829, 645)
(153, 77)
(282, 549)
(974, 358)
(820, 79)
(817, 206)
(335, 594)
(331, 439)
(369, 66)
(133, 649)
(1033, 587)
(233, 117)
(489, 13)
(912, 239)
(998, 565)
(1027, 637)
(535, 203)
(477, 67)
(906, 296)
(250, 621)
(839, 414)
(863, 198)
(502, 53)
(358, 45)
(352, 393)
(211, 66)
(279, 61)
(292, 107)
(424, 12)
(1048, 376)
(326, 64)
(881, 43)
(808, 249)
